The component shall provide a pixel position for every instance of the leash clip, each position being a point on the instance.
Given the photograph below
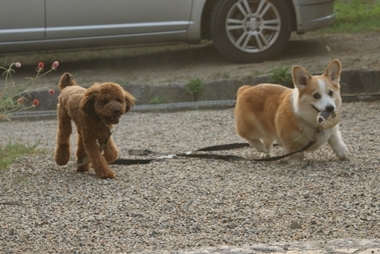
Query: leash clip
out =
(170, 156)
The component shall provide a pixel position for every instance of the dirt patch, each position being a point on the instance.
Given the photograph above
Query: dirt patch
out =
(312, 51)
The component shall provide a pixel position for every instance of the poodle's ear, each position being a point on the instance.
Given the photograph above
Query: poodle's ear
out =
(87, 103)
(129, 101)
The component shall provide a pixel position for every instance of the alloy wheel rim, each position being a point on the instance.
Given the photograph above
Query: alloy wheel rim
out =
(253, 25)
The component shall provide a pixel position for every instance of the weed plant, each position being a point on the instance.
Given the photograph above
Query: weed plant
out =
(194, 88)
(13, 151)
(15, 97)
(281, 76)
(155, 100)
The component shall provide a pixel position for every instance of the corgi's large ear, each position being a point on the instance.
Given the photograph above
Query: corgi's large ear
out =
(129, 100)
(88, 100)
(333, 71)
(300, 76)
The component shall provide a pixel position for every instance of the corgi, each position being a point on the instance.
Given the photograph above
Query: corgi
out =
(266, 113)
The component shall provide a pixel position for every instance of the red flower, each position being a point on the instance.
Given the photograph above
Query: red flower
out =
(55, 65)
(41, 65)
(20, 100)
(18, 65)
(51, 91)
(35, 103)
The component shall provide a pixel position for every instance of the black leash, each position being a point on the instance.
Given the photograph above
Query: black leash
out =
(192, 154)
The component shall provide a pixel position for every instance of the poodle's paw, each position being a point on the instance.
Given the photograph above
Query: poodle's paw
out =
(84, 168)
(62, 154)
(106, 174)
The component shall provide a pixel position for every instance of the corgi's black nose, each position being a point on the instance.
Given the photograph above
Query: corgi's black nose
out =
(329, 108)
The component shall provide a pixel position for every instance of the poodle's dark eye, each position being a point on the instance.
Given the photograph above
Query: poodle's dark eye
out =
(119, 100)
(317, 96)
(331, 93)
(105, 101)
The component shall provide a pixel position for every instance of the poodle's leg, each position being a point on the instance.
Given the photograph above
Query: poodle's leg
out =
(62, 151)
(81, 154)
(98, 161)
(110, 151)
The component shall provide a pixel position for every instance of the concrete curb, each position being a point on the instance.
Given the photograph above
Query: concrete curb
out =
(356, 85)
(339, 246)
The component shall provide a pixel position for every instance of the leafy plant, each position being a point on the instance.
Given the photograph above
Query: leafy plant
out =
(256, 73)
(155, 100)
(194, 88)
(281, 76)
(14, 97)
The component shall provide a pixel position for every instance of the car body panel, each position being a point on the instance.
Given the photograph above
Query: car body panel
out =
(28, 26)
(313, 14)
(40, 25)
(114, 17)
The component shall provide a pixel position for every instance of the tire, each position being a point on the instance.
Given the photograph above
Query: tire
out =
(246, 31)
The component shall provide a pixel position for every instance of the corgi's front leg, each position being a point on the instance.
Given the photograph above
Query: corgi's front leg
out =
(337, 144)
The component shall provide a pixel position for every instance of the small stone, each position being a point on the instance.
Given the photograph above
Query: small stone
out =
(295, 225)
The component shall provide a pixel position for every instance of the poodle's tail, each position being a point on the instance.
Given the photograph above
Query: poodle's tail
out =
(66, 80)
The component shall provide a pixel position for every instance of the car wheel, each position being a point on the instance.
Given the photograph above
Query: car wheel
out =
(250, 30)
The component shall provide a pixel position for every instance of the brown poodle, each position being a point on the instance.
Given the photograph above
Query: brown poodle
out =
(94, 111)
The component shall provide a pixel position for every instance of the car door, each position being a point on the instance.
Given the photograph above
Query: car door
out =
(22, 20)
(84, 18)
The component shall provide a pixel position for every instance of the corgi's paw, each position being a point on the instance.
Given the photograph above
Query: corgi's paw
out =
(341, 150)
(265, 155)
(296, 159)
(343, 153)
(296, 162)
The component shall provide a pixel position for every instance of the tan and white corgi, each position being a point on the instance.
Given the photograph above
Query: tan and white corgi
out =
(266, 113)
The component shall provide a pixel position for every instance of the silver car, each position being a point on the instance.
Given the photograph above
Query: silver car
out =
(242, 30)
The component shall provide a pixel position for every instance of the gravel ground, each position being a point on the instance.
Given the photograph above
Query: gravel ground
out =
(179, 204)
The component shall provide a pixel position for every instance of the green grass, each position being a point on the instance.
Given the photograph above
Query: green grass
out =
(281, 76)
(11, 152)
(354, 16)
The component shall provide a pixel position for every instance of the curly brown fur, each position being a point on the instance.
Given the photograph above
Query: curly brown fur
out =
(94, 111)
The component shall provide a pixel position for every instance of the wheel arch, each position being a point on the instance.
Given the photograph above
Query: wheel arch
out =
(205, 21)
